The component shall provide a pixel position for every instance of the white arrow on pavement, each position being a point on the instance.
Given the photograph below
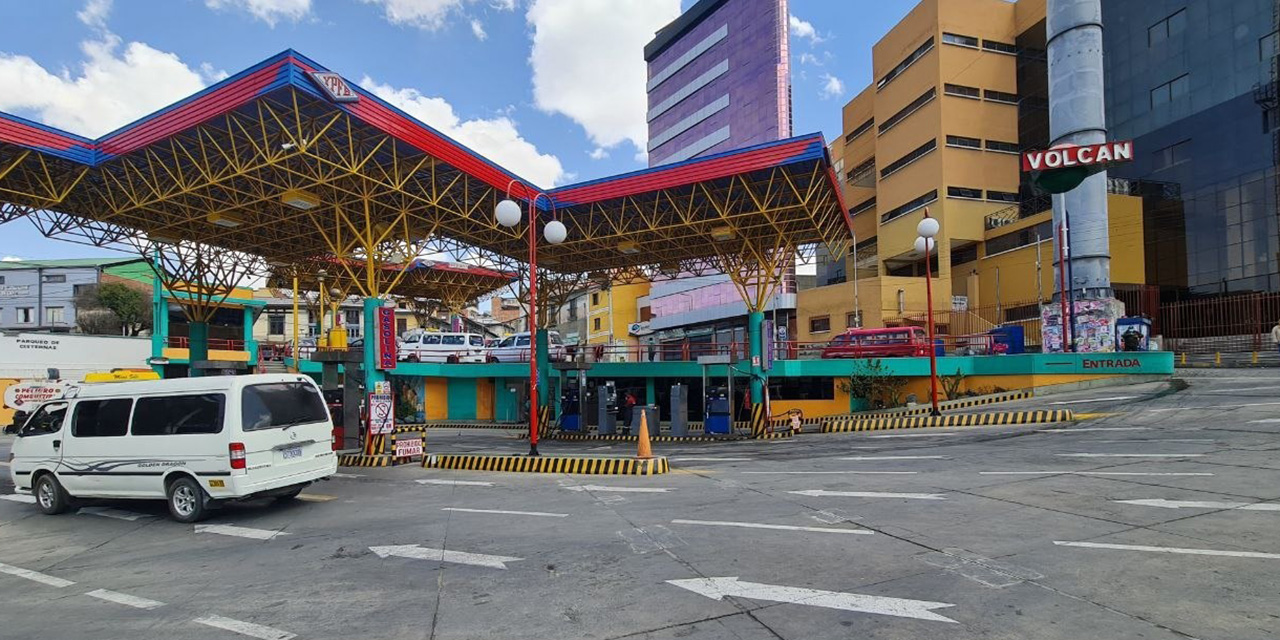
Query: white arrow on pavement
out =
(596, 487)
(895, 458)
(869, 494)
(239, 532)
(458, 557)
(718, 588)
(118, 514)
(456, 483)
(1198, 504)
(19, 497)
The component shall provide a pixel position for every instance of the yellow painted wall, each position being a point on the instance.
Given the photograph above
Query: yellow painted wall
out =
(484, 399)
(878, 298)
(436, 399)
(617, 305)
(214, 354)
(6, 414)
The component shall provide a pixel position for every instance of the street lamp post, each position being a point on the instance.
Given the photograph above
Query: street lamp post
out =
(507, 213)
(927, 229)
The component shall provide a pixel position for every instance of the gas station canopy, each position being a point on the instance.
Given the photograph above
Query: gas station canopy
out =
(460, 284)
(290, 162)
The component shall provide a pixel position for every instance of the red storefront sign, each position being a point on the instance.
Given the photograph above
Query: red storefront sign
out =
(1078, 156)
(387, 353)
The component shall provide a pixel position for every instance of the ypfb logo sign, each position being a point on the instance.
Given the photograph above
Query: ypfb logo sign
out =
(334, 86)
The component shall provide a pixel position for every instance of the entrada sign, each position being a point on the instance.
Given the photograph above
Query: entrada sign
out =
(1112, 363)
(334, 86)
(1078, 156)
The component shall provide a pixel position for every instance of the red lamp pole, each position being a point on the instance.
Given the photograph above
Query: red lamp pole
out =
(533, 327)
(933, 352)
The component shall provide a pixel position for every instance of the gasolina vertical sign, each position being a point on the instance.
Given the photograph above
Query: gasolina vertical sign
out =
(387, 338)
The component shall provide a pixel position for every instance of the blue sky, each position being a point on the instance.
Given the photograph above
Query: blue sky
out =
(551, 88)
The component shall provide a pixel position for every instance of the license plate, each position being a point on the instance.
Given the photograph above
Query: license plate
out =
(291, 452)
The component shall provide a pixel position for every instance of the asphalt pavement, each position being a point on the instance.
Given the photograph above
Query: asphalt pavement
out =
(1157, 517)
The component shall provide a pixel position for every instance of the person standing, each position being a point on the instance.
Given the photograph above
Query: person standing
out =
(1275, 335)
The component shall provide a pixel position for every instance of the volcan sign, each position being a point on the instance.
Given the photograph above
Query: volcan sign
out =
(26, 396)
(1078, 156)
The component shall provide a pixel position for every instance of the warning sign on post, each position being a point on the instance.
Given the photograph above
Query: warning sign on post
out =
(382, 418)
(408, 447)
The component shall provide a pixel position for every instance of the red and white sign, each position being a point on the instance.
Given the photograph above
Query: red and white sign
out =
(387, 347)
(1078, 156)
(26, 396)
(408, 447)
(382, 418)
(334, 86)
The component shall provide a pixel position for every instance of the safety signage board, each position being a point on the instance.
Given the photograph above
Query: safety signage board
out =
(408, 447)
(387, 346)
(382, 419)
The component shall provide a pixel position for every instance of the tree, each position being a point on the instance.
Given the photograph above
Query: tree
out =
(129, 306)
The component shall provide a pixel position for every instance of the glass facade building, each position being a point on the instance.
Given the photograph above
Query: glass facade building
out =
(719, 79)
(1191, 82)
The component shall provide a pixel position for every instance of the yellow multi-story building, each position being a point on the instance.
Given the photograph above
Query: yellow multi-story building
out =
(960, 88)
(610, 314)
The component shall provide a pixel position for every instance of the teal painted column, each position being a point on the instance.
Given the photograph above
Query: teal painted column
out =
(372, 375)
(543, 351)
(159, 323)
(755, 324)
(198, 346)
(250, 344)
(650, 391)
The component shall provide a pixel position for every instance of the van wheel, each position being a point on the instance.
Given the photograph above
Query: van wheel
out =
(291, 494)
(50, 496)
(413, 357)
(187, 501)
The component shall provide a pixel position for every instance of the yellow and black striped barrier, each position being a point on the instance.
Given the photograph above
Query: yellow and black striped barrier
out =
(953, 420)
(945, 405)
(759, 421)
(362, 460)
(548, 464)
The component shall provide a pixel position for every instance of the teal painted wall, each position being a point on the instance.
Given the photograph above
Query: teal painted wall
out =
(462, 399)
(505, 409)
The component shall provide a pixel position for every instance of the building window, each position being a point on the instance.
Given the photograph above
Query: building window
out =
(1, 279)
(961, 91)
(275, 324)
(1002, 147)
(1267, 46)
(1167, 28)
(402, 325)
(1020, 238)
(901, 163)
(26, 315)
(909, 207)
(820, 324)
(902, 66)
(964, 192)
(54, 279)
(54, 315)
(851, 320)
(865, 205)
(1170, 91)
(1002, 196)
(1270, 120)
(963, 142)
(862, 128)
(906, 111)
(595, 324)
(959, 40)
(858, 175)
(1171, 155)
(963, 255)
(1000, 47)
(595, 299)
(1001, 96)
(82, 289)
(351, 317)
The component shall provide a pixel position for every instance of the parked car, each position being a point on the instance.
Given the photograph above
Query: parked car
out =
(195, 442)
(878, 343)
(516, 348)
(430, 346)
(306, 347)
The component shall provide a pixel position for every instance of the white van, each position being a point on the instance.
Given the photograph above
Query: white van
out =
(194, 442)
(433, 346)
(515, 348)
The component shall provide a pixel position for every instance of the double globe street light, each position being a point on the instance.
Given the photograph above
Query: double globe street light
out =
(508, 214)
(926, 230)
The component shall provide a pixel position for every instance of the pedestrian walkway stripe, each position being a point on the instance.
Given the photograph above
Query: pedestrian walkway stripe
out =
(548, 464)
(953, 420)
(244, 628)
(767, 435)
(34, 576)
(125, 599)
(778, 527)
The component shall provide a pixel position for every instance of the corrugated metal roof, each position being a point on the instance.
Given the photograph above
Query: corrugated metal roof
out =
(70, 263)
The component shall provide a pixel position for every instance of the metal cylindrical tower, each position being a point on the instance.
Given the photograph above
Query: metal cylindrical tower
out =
(1077, 116)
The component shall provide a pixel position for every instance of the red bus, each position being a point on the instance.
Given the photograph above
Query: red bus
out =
(878, 343)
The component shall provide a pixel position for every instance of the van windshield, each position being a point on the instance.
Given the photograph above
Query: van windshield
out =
(453, 340)
(281, 404)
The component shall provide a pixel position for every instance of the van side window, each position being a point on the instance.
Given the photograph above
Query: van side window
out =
(507, 342)
(431, 339)
(48, 419)
(178, 415)
(101, 418)
(282, 404)
(477, 341)
(452, 340)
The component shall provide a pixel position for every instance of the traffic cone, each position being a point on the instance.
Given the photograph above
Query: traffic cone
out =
(644, 452)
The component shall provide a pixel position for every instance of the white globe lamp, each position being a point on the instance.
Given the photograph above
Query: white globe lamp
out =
(928, 227)
(924, 245)
(555, 232)
(507, 213)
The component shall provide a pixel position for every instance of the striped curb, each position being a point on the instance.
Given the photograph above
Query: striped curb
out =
(361, 460)
(955, 420)
(548, 464)
(460, 425)
(944, 405)
(577, 437)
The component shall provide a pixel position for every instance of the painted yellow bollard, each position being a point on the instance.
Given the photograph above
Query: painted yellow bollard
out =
(1217, 359)
(644, 452)
(1184, 358)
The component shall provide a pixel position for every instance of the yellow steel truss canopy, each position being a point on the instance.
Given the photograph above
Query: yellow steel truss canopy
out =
(454, 285)
(272, 163)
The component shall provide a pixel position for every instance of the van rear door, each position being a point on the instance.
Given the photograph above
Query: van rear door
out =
(285, 427)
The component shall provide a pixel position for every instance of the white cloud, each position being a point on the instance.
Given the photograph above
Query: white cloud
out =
(598, 153)
(809, 58)
(832, 87)
(495, 138)
(95, 13)
(268, 11)
(588, 63)
(802, 29)
(477, 29)
(112, 87)
(211, 74)
(11, 259)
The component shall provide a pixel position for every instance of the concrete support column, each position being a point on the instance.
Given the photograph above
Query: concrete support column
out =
(650, 391)
(198, 346)
(543, 352)
(250, 344)
(369, 359)
(755, 338)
